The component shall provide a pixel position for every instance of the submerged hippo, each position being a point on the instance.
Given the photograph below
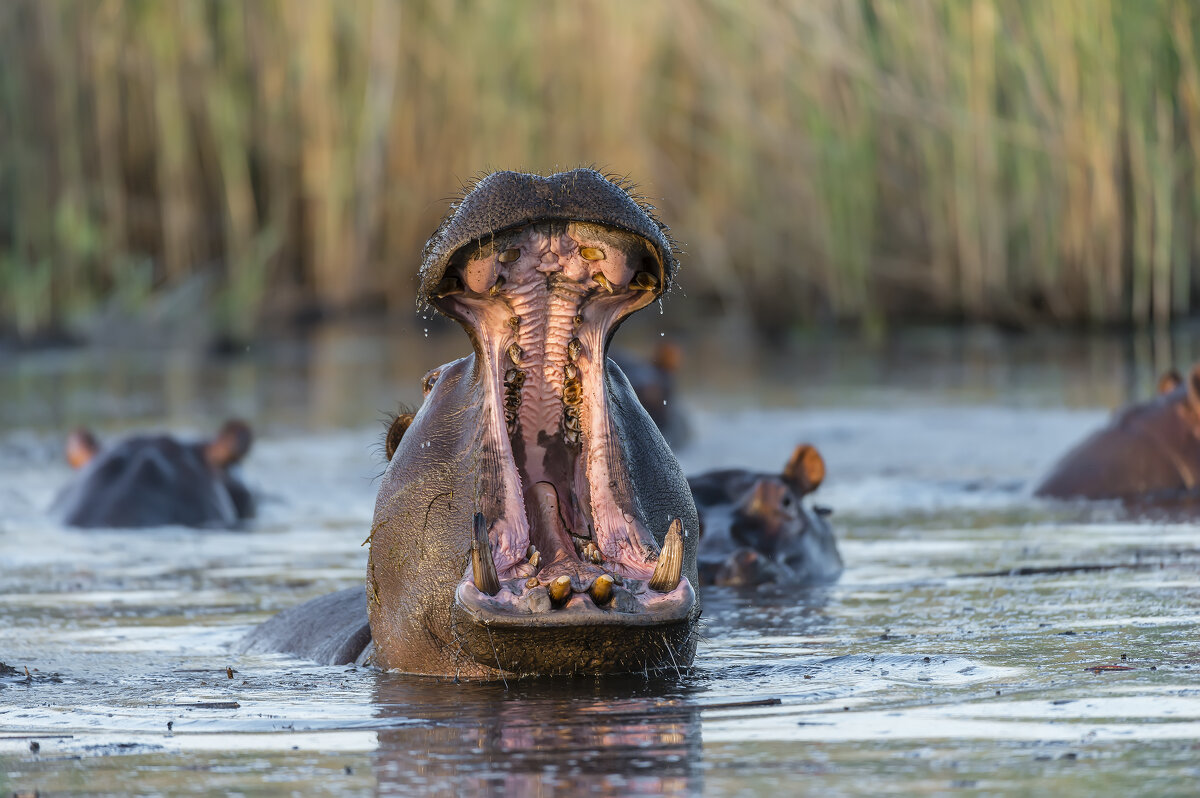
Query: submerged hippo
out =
(755, 528)
(1148, 454)
(532, 519)
(156, 480)
(653, 381)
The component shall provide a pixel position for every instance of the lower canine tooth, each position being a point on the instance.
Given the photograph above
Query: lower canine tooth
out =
(483, 567)
(560, 590)
(669, 568)
(601, 589)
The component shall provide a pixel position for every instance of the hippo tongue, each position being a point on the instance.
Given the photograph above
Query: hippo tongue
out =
(541, 304)
(549, 534)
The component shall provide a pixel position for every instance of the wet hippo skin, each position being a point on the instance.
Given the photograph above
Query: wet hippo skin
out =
(157, 480)
(531, 520)
(1147, 455)
(756, 527)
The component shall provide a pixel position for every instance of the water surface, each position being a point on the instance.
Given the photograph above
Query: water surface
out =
(978, 639)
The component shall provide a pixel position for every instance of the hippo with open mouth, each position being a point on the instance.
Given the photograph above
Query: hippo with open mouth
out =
(531, 520)
(1147, 456)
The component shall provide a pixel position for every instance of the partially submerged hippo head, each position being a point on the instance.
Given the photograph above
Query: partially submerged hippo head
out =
(757, 529)
(1148, 454)
(531, 518)
(156, 480)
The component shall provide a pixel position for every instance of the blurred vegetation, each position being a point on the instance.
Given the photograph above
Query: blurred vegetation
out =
(1012, 161)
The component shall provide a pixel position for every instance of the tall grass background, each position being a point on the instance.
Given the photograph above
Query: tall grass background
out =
(860, 161)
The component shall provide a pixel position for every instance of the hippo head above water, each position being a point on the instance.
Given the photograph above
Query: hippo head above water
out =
(1147, 456)
(156, 480)
(532, 519)
(756, 527)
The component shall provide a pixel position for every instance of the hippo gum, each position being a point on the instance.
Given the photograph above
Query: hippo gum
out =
(1147, 455)
(531, 520)
(156, 480)
(756, 528)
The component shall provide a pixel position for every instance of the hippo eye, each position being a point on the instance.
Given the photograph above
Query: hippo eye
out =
(592, 253)
(509, 255)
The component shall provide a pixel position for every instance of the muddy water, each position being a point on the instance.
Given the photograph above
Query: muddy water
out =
(978, 640)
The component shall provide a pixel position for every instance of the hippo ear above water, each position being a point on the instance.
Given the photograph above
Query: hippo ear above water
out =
(805, 471)
(230, 445)
(1169, 381)
(395, 433)
(81, 447)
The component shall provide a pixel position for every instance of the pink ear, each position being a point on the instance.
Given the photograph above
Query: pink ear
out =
(231, 444)
(805, 470)
(1169, 381)
(82, 446)
(668, 357)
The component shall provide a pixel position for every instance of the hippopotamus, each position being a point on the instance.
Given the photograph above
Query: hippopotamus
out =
(531, 518)
(157, 480)
(756, 527)
(653, 381)
(1147, 455)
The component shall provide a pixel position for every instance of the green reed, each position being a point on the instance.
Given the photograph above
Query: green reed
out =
(1013, 161)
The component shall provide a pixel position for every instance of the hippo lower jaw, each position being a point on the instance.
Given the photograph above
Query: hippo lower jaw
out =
(567, 556)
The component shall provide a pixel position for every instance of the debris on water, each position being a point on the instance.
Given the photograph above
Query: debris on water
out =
(35, 746)
(170, 725)
(210, 705)
(1102, 668)
(229, 672)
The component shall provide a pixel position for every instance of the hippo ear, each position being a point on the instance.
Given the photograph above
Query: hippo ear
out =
(230, 445)
(1169, 381)
(395, 433)
(805, 470)
(81, 447)
(668, 357)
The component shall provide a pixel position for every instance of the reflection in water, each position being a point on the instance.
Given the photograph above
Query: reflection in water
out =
(537, 737)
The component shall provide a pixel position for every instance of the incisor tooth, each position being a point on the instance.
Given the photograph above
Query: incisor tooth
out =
(669, 568)
(603, 282)
(483, 567)
(601, 589)
(560, 590)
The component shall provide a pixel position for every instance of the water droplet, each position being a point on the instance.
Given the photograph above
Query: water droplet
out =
(662, 335)
(664, 402)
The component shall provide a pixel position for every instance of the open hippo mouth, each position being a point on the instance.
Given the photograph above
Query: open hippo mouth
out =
(568, 548)
(532, 518)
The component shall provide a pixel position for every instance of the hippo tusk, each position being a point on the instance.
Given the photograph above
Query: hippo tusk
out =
(483, 567)
(669, 568)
